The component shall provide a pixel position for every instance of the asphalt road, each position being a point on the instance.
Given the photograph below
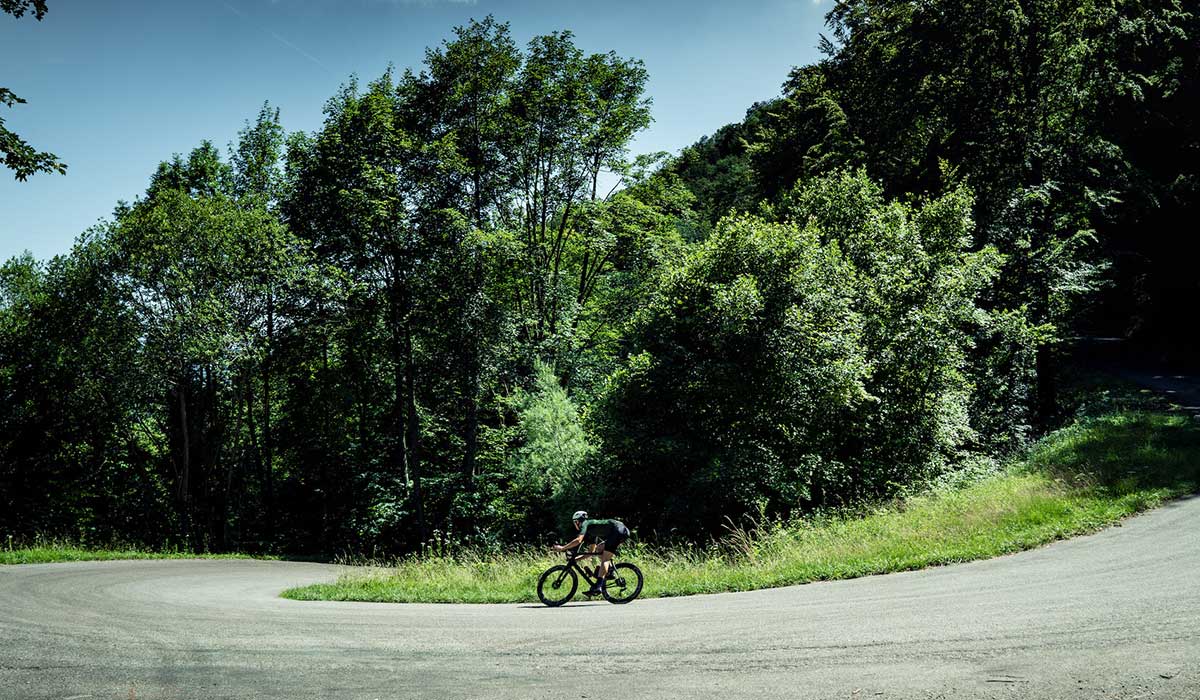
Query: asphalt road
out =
(1113, 615)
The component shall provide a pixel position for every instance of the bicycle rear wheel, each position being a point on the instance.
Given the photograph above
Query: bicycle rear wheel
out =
(557, 585)
(623, 584)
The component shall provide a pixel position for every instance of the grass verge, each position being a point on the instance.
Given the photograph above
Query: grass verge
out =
(45, 551)
(1074, 481)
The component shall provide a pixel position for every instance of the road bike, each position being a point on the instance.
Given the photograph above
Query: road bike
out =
(558, 584)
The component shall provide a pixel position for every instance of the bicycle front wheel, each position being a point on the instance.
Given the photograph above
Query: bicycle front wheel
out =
(623, 584)
(557, 585)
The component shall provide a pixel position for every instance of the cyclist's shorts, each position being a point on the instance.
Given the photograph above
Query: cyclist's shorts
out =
(617, 539)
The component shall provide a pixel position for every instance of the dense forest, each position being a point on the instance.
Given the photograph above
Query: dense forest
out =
(462, 309)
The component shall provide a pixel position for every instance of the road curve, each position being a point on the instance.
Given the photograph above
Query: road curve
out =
(1112, 615)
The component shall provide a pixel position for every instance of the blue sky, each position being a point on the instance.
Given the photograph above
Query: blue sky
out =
(115, 87)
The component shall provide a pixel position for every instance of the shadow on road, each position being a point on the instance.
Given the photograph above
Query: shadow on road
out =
(579, 604)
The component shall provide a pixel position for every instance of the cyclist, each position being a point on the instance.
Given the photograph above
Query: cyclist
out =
(605, 535)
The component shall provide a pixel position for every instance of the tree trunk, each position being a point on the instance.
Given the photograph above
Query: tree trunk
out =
(252, 431)
(326, 485)
(1047, 385)
(471, 370)
(412, 439)
(268, 433)
(405, 420)
(185, 464)
(228, 499)
(214, 445)
(471, 433)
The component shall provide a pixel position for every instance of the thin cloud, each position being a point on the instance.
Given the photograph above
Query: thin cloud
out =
(425, 3)
(300, 51)
(278, 38)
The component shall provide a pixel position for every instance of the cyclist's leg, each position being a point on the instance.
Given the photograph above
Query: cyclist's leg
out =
(605, 563)
(597, 572)
(610, 551)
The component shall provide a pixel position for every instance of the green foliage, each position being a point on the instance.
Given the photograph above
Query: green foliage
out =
(45, 551)
(18, 8)
(919, 282)
(461, 202)
(257, 155)
(192, 270)
(1076, 481)
(343, 340)
(547, 467)
(1066, 121)
(803, 134)
(74, 458)
(796, 365)
(1121, 452)
(717, 168)
(24, 160)
(1002, 370)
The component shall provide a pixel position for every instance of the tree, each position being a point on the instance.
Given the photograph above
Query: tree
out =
(24, 160)
(799, 363)
(461, 103)
(18, 8)
(256, 182)
(803, 134)
(77, 446)
(473, 185)
(920, 286)
(352, 198)
(196, 269)
(574, 117)
(1012, 96)
(739, 371)
(717, 169)
(547, 468)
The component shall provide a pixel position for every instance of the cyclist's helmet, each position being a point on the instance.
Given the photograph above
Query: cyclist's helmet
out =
(580, 516)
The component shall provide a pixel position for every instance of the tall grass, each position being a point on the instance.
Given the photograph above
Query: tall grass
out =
(1074, 481)
(43, 550)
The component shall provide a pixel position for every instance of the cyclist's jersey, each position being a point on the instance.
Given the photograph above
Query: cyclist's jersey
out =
(611, 531)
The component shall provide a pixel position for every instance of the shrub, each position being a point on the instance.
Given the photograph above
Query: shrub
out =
(804, 360)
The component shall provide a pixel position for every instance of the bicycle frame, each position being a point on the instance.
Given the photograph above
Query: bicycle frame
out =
(573, 558)
(623, 584)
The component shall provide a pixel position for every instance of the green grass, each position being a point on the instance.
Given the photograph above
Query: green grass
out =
(45, 551)
(1075, 481)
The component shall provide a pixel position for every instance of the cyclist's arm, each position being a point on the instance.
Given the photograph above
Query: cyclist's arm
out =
(570, 545)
